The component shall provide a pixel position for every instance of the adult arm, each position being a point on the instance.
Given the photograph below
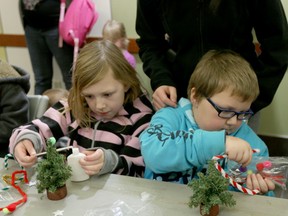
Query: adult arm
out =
(271, 29)
(153, 48)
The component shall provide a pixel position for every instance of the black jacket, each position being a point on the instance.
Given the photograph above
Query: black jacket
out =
(14, 105)
(194, 29)
(44, 15)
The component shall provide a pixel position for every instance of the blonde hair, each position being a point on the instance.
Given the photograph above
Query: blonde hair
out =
(115, 32)
(56, 94)
(93, 62)
(221, 70)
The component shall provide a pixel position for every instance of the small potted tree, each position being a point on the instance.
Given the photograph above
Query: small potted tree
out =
(52, 173)
(210, 191)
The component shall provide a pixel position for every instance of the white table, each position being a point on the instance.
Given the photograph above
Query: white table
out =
(133, 196)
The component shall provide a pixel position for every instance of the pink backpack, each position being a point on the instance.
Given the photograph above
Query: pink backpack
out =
(76, 23)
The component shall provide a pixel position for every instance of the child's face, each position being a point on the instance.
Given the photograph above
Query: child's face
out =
(206, 116)
(106, 97)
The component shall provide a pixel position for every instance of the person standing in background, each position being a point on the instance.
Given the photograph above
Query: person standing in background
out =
(115, 32)
(40, 20)
(174, 35)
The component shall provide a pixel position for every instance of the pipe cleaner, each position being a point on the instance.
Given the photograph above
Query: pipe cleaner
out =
(13, 206)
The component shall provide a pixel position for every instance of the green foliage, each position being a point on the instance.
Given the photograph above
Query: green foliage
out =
(52, 172)
(210, 190)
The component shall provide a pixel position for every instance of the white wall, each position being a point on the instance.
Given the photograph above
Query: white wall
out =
(274, 118)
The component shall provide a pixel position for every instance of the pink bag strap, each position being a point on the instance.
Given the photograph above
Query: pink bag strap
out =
(61, 19)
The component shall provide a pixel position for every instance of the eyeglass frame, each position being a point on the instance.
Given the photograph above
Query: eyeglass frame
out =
(246, 115)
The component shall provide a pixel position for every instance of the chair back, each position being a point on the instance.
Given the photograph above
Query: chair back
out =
(38, 104)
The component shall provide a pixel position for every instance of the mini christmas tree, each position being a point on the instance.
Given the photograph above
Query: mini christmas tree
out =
(210, 190)
(53, 171)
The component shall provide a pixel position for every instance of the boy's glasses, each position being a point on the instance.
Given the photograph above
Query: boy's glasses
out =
(227, 114)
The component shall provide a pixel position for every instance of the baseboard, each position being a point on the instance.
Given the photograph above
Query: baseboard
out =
(277, 146)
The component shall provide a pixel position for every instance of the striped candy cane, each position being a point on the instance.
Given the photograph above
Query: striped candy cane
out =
(6, 158)
(232, 182)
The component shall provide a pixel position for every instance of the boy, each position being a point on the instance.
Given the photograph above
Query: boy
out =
(180, 140)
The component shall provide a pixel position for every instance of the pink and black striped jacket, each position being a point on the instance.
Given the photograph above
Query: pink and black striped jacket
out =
(120, 134)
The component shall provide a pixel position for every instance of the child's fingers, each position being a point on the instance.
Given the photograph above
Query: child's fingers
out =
(263, 187)
(270, 184)
(249, 183)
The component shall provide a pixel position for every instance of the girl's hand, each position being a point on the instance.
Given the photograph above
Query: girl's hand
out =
(256, 181)
(238, 150)
(25, 153)
(93, 162)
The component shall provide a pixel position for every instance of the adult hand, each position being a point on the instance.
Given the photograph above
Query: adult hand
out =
(93, 162)
(25, 153)
(164, 96)
(256, 181)
(238, 150)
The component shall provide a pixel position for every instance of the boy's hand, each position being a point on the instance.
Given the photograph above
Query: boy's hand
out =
(25, 153)
(93, 162)
(238, 150)
(256, 181)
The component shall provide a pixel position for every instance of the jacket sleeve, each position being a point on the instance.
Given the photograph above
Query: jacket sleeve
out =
(52, 123)
(167, 148)
(14, 111)
(153, 48)
(271, 29)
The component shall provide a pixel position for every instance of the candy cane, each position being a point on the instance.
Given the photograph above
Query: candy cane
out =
(6, 158)
(232, 182)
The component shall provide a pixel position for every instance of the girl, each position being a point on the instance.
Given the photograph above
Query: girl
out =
(104, 115)
(115, 31)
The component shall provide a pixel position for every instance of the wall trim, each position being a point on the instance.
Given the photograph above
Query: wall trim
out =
(274, 135)
(276, 146)
(16, 40)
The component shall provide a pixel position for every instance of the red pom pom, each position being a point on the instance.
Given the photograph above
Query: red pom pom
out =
(260, 166)
(11, 207)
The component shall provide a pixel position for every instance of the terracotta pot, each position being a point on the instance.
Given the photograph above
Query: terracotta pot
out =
(214, 211)
(59, 194)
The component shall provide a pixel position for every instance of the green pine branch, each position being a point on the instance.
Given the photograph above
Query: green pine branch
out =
(210, 189)
(53, 171)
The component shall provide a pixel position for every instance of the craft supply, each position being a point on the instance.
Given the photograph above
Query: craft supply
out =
(58, 150)
(13, 206)
(243, 169)
(267, 164)
(6, 158)
(249, 172)
(259, 166)
(232, 182)
(78, 173)
(8, 179)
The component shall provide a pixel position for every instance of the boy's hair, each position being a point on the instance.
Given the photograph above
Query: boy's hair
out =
(56, 94)
(115, 32)
(221, 70)
(94, 61)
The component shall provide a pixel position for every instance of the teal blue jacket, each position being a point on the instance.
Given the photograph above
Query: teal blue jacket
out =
(174, 148)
